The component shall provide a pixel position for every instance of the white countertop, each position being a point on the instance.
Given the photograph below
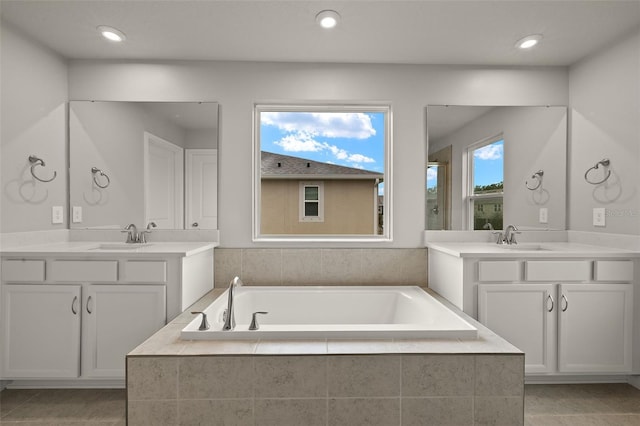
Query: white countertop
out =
(99, 248)
(529, 250)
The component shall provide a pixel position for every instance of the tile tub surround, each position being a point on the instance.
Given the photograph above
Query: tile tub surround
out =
(323, 382)
(316, 266)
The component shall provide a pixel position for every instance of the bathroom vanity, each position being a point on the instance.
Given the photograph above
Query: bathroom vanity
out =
(568, 306)
(73, 310)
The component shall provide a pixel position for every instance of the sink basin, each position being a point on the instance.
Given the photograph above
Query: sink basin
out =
(120, 246)
(523, 247)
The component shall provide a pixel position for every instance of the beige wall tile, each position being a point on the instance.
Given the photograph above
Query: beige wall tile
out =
(291, 412)
(341, 266)
(152, 378)
(227, 264)
(364, 412)
(363, 376)
(499, 375)
(215, 377)
(453, 411)
(498, 411)
(290, 376)
(152, 413)
(262, 266)
(395, 266)
(220, 412)
(301, 266)
(437, 375)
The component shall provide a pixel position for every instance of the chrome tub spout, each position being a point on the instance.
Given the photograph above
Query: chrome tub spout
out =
(229, 318)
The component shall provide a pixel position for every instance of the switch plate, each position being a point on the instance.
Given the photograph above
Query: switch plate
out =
(599, 216)
(76, 216)
(544, 215)
(57, 214)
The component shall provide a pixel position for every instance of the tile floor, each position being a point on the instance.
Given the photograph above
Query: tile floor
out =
(545, 405)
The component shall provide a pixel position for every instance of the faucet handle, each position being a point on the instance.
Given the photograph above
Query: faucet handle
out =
(204, 325)
(254, 320)
(499, 238)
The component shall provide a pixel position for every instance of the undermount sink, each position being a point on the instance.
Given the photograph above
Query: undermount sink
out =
(523, 247)
(120, 246)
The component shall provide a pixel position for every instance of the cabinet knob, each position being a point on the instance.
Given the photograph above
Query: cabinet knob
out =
(194, 224)
(73, 305)
(89, 310)
(549, 298)
(566, 303)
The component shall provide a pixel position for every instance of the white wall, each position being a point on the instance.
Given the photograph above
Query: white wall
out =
(605, 123)
(535, 138)
(33, 115)
(237, 86)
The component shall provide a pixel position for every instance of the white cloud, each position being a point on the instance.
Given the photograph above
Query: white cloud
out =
(359, 158)
(432, 174)
(489, 152)
(328, 124)
(305, 142)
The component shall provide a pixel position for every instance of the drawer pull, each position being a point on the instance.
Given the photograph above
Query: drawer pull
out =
(89, 310)
(549, 298)
(73, 305)
(566, 303)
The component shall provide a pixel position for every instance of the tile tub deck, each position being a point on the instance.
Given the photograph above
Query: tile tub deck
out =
(323, 382)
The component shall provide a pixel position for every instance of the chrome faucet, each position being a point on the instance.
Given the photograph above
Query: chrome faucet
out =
(229, 318)
(132, 233)
(510, 234)
(143, 234)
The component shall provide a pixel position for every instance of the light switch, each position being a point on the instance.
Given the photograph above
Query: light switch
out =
(76, 216)
(57, 214)
(599, 216)
(544, 215)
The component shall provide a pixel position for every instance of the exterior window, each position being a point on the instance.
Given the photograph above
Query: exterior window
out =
(485, 187)
(322, 172)
(312, 202)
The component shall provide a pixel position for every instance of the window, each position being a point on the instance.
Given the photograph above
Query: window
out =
(322, 172)
(485, 183)
(311, 201)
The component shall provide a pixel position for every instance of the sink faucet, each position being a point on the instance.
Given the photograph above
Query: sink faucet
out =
(132, 233)
(143, 234)
(229, 318)
(510, 234)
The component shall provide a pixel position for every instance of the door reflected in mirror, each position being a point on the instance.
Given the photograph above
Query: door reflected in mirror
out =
(143, 162)
(481, 159)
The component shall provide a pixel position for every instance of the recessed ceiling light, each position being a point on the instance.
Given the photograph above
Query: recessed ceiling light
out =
(111, 34)
(529, 41)
(328, 18)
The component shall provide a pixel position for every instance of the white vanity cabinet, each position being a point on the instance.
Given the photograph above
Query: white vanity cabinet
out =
(76, 317)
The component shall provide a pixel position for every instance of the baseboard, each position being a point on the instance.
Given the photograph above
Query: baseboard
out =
(67, 384)
(568, 379)
(4, 384)
(634, 381)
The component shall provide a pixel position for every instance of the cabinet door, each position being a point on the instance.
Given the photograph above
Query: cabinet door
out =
(41, 331)
(595, 323)
(523, 314)
(117, 318)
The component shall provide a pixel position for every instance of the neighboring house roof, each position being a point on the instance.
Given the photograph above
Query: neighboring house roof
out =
(278, 166)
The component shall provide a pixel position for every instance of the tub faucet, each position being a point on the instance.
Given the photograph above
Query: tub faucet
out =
(510, 234)
(132, 233)
(229, 318)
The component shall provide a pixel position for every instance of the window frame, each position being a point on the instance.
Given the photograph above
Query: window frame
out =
(302, 185)
(470, 196)
(382, 107)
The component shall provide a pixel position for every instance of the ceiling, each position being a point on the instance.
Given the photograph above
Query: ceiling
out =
(477, 32)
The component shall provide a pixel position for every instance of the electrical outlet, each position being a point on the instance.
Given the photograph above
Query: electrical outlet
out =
(76, 216)
(544, 215)
(599, 216)
(57, 214)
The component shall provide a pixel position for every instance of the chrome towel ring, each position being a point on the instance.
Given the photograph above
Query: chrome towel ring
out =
(538, 177)
(607, 173)
(96, 171)
(35, 161)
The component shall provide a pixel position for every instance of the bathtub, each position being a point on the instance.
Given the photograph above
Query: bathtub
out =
(363, 312)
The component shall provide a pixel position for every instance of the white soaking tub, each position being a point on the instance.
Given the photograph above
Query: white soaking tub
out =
(362, 312)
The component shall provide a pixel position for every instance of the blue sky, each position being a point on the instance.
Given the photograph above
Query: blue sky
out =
(349, 139)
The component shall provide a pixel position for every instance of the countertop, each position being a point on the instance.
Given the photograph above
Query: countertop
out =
(101, 248)
(529, 250)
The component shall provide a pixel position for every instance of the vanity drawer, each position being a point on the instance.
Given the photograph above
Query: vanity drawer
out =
(558, 270)
(613, 270)
(499, 270)
(147, 271)
(19, 270)
(84, 270)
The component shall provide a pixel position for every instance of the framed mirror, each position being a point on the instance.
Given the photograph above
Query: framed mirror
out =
(143, 162)
(489, 166)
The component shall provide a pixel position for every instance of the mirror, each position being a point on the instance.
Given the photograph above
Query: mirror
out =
(489, 166)
(142, 162)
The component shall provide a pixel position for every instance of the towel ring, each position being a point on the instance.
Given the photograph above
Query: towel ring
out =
(605, 163)
(538, 177)
(35, 161)
(95, 171)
